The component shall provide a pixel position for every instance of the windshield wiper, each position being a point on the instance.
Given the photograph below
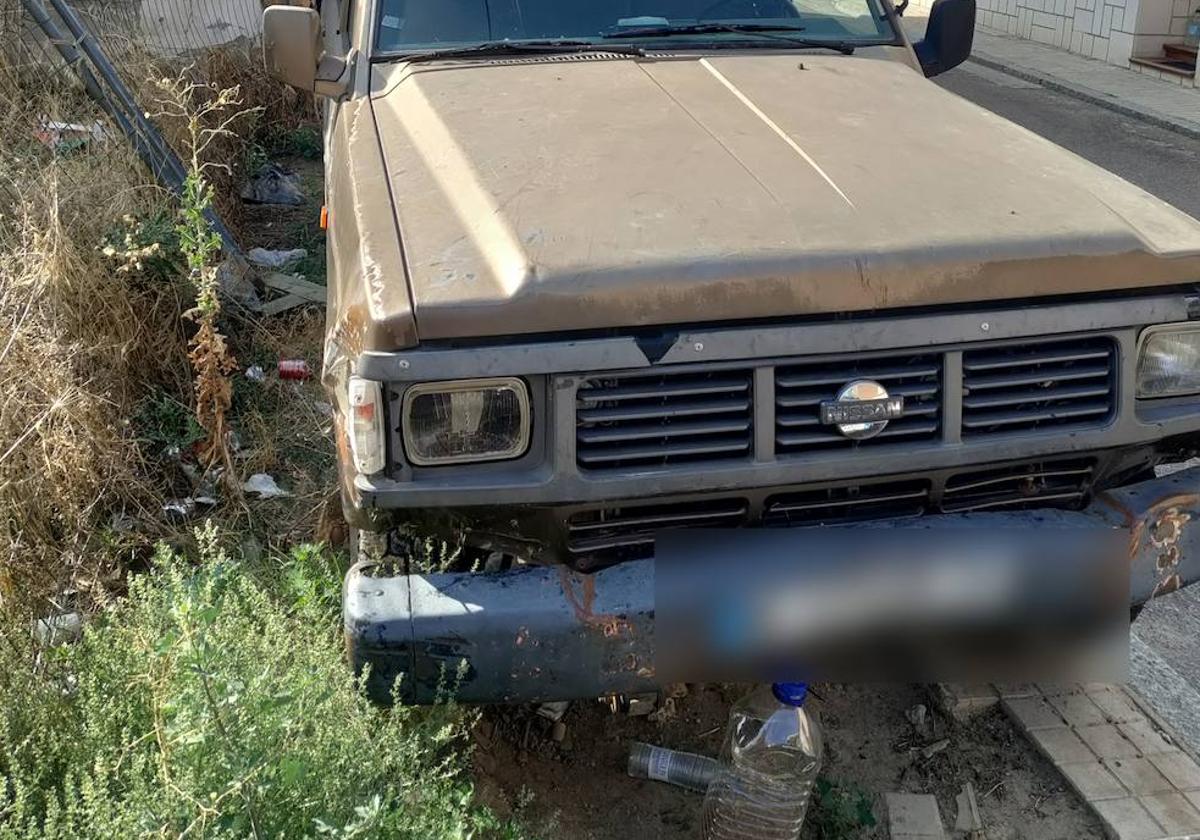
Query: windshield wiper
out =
(511, 47)
(766, 30)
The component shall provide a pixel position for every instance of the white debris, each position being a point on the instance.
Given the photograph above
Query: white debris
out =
(58, 629)
(553, 710)
(255, 373)
(64, 135)
(183, 508)
(264, 258)
(179, 508)
(236, 282)
(122, 523)
(264, 486)
(930, 750)
(968, 818)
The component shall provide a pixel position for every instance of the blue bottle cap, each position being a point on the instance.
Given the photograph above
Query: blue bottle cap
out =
(792, 694)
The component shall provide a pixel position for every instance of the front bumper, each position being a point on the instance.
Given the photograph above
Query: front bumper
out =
(543, 633)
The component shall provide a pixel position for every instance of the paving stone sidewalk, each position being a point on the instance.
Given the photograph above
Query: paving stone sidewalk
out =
(1140, 783)
(1119, 89)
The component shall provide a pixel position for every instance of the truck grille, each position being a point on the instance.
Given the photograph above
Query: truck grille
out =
(659, 419)
(1048, 385)
(692, 416)
(625, 533)
(1055, 484)
(801, 388)
(853, 503)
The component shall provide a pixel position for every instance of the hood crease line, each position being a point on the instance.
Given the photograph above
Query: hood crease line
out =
(771, 124)
(713, 135)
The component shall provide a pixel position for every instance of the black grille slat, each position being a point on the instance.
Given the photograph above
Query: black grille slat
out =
(895, 429)
(1056, 373)
(647, 420)
(665, 390)
(1018, 358)
(1016, 398)
(801, 388)
(661, 452)
(985, 419)
(648, 412)
(662, 430)
(839, 373)
(1051, 384)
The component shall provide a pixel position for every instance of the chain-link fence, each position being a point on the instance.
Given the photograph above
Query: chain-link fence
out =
(165, 28)
(76, 76)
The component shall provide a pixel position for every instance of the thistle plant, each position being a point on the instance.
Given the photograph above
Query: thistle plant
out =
(207, 114)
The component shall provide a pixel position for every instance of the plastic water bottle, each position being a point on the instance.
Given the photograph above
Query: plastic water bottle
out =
(771, 758)
(684, 769)
(1191, 33)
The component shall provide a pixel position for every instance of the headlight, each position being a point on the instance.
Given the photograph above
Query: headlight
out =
(469, 420)
(1169, 364)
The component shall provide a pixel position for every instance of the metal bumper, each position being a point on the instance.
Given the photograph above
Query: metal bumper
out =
(546, 633)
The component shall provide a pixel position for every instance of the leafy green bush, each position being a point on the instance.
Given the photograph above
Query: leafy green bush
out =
(214, 702)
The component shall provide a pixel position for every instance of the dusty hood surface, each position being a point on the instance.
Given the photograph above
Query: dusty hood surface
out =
(538, 196)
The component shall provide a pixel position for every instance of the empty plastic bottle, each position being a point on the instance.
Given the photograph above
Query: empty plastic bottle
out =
(687, 770)
(1191, 32)
(771, 758)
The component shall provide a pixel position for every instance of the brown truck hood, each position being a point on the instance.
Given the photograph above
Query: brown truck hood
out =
(546, 195)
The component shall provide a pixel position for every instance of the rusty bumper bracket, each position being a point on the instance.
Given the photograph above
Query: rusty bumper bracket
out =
(544, 633)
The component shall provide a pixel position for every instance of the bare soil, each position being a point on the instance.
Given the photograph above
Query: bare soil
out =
(579, 788)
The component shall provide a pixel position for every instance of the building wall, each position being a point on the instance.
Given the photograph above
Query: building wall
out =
(1159, 21)
(1108, 30)
(1100, 29)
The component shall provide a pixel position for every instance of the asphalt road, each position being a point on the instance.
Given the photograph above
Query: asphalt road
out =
(1157, 160)
(1165, 648)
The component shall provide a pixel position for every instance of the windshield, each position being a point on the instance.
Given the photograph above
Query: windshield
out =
(415, 25)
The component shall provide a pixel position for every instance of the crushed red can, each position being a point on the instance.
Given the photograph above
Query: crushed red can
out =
(295, 369)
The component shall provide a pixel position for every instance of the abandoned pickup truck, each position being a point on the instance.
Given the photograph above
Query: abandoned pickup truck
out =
(601, 269)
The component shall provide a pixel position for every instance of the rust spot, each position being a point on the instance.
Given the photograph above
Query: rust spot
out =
(1167, 585)
(583, 601)
(1163, 526)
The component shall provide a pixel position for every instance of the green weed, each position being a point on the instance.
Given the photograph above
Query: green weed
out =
(164, 423)
(838, 811)
(213, 702)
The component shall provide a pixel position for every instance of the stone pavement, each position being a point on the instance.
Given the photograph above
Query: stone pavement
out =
(1140, 783)
(1119, 89)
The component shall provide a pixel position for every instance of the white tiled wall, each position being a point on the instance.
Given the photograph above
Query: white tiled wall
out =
(1102, 29)
(1108, 30)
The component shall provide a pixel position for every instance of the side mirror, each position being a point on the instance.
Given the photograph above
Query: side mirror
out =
(948, 36)
(292, 45)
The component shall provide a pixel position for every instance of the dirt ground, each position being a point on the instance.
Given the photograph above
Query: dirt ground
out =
(579, 788)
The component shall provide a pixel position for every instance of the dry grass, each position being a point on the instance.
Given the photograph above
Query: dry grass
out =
(81, 344)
